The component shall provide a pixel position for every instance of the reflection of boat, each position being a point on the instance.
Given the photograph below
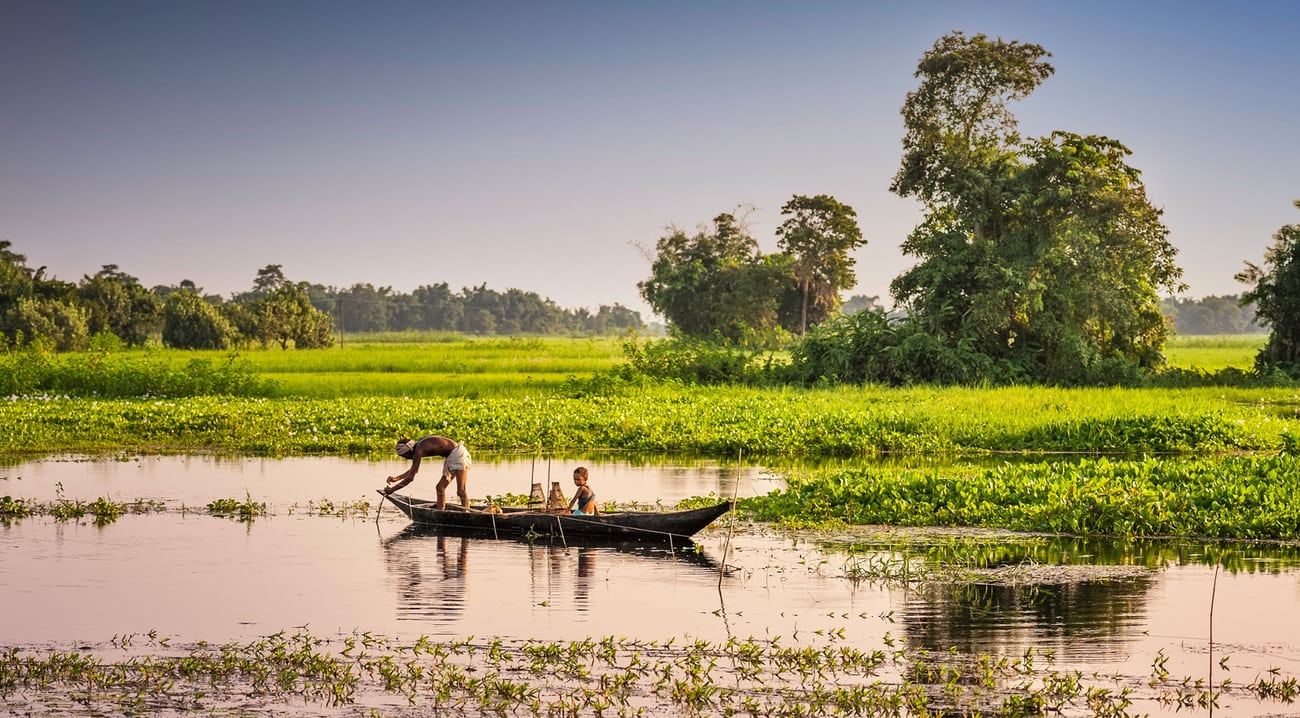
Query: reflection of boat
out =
(680, 548)
(647, 526)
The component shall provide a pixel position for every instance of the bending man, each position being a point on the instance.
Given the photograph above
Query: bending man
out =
(456, 462)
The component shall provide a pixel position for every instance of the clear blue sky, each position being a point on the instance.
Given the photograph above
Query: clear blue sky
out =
(537, 145)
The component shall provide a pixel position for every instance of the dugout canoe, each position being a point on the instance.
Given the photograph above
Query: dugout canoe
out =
(623, 525)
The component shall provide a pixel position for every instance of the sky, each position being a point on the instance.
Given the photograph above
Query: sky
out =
(547, 146)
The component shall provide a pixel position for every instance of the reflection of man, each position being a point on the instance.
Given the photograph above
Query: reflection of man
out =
(462, 558)
(432, 575)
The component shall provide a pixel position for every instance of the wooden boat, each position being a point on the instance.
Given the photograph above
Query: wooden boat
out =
(624, 525)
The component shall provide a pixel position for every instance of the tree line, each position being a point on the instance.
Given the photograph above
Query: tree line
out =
(1038, 259)
(274, 312)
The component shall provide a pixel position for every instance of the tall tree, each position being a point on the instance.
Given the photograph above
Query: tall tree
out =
(1276, 294)
(1044, 255)
(818, 234)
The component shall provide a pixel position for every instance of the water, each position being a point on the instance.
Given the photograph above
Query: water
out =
(191, 576)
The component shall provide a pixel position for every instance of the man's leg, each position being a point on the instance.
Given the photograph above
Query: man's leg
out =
(462, 480)
(442, 491)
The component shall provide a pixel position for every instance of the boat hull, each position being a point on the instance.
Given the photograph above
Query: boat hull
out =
(622, 525)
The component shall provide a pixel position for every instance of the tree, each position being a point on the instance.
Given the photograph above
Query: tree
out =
(818, 234)
(189, 322)
(32, 306)
(118, 304)
(714, 282)
(268, 279)
(62, 322)
(440, 308)
(1045, 255)
(286, 315)
(368, 309)
(1276, 294)
(1212, 314)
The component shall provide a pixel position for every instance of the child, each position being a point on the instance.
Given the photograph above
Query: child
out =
(584, 497)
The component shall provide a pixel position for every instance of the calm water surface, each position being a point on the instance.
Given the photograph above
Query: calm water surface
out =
(191, 576)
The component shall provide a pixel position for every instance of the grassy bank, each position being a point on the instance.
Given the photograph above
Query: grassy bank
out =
(848, 422)
(553, 395)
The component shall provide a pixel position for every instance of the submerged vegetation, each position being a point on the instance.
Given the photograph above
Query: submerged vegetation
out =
(608, 676)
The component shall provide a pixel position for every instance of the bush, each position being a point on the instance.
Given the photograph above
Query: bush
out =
(694, 361)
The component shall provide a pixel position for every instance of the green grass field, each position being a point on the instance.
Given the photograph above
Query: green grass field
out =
(434, 365)
(441, 365)
(1214, 352)
(515, 396)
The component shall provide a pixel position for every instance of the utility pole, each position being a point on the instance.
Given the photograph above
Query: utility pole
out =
(340, 300)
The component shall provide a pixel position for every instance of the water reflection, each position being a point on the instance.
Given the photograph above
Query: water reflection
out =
(430, 583)
(1085, 620)
(432, 572)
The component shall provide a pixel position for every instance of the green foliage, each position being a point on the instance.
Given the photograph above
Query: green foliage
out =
(285, 316)
(190, 322)
(1276, 295)
(117, 304)
(60, 321)
(715, 282)
(11, 508)
(706, 421)
(1234, 497)
(245, 510)
(1044, 256)
(1211, 315)
(105, 371)
(694, 361)
(818, 234)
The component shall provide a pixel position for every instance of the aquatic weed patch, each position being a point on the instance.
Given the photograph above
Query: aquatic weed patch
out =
(851, 422)
(246, 510)
(1231, 497)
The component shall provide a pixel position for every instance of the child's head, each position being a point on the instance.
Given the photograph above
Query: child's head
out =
(580, 475)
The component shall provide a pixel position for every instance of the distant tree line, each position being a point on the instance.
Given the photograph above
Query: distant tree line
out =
(1211, 315)
(472, 310)
(275, 312)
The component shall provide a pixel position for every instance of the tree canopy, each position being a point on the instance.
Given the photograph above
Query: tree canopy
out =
(1042, 255)
(716, 283)
(818, 234)
(1276, 294)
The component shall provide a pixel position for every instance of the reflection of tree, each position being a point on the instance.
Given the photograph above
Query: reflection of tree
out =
(1090, 618)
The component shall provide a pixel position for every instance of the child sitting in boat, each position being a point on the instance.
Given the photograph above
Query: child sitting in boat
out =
(583, 502)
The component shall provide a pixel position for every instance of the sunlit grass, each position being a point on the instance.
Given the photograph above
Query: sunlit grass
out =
(1210, 353)
(430, 365)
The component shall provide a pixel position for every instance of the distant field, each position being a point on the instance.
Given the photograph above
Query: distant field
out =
(1214, 351)
(435, 365)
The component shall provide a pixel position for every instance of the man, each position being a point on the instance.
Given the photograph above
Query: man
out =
(456, 462)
